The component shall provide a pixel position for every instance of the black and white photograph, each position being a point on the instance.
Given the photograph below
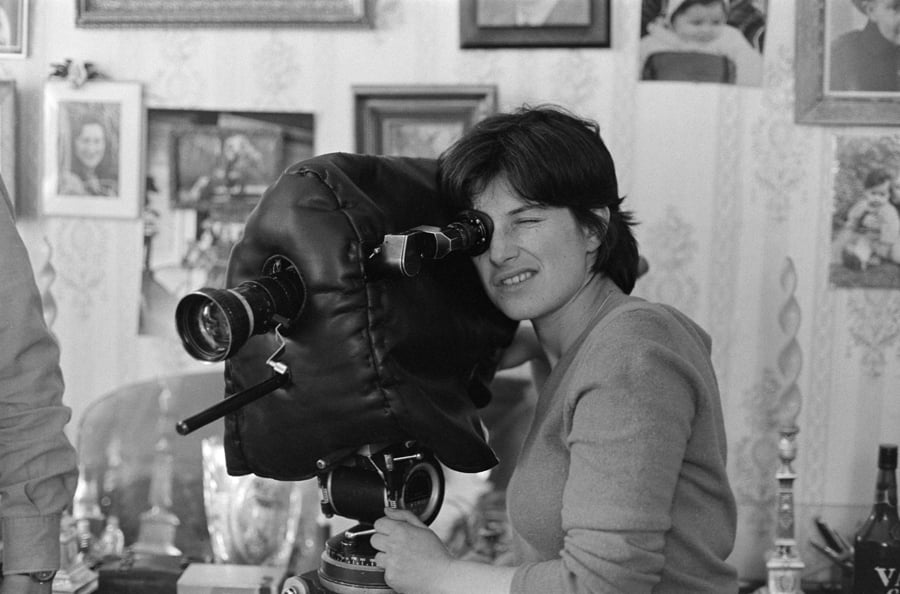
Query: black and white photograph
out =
(93, 137)
(866, 224)
(13, 28)
(703, 41)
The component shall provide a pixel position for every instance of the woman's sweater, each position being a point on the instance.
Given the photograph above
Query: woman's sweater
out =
(621, 483)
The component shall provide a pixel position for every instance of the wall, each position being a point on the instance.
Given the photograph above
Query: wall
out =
(734, 202)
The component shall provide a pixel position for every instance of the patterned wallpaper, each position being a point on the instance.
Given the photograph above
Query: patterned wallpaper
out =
(733, 197)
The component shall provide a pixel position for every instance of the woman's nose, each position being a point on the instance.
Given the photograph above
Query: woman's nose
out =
(501, 248)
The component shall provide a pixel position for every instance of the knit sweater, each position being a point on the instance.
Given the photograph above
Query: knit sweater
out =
(621, 483)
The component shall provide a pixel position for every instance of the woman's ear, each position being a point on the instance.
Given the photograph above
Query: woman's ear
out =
(597, 236)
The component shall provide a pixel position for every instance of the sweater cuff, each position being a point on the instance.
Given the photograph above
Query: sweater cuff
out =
(31, 544)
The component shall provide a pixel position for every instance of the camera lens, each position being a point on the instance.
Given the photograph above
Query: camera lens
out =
(214, 323)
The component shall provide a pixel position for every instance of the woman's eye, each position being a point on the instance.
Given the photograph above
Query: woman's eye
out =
(527, 221)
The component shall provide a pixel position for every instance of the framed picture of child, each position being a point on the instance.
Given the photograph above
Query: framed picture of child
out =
(847, 62)
(715, 41)
(13, 28)
(93, 139)
(865, 229)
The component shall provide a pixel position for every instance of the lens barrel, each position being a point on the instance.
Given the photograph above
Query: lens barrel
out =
(214, 323)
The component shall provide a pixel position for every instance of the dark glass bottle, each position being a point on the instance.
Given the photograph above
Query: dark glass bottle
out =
(877, 546)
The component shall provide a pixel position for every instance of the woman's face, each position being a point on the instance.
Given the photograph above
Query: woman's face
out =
(700, 23)
(539, 257)
(90, 144)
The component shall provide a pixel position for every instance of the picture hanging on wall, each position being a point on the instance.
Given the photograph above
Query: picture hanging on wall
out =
(672, 48)
(846, 69)
(8, 136)
(93, 140)
(538, 23)
(417, 121)
(13, 28)
(865, 246)
(126, 13)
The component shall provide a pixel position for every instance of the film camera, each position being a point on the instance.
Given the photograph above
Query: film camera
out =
(353, 353)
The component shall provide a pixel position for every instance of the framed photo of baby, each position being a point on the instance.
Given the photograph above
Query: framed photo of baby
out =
(865, 229)
(13, 28)
(92, 149)
(707, 41)
(848, 59)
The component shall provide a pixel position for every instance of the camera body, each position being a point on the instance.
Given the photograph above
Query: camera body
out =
(370, 353)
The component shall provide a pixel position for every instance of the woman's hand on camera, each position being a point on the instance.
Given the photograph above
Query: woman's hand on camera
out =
(413, 557)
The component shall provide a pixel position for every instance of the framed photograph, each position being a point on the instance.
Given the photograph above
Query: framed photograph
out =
(8, 135)
(846, 71)
(865, 225)
(13, 28)
(268, 13)
(538, 23)
(93, 141)
(212, 165)
(417, 121)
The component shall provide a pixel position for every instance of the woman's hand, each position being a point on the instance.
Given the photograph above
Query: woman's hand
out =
(414, 559)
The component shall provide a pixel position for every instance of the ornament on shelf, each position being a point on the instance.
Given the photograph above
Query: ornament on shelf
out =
(74, 71)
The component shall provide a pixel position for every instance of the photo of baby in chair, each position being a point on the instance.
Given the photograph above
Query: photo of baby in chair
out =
(866, 233)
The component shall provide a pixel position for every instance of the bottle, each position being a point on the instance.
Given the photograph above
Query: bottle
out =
(877, 544)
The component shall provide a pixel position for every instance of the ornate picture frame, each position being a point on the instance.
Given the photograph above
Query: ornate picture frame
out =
(93, 149)
(13, 29)
(815, 102)
(8, 135)
(417, 120)
(200, 13)
(565, 23)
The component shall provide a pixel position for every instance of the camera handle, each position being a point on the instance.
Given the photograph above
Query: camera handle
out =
(281, 377)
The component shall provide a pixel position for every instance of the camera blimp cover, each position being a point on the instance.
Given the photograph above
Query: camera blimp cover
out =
(373, 358)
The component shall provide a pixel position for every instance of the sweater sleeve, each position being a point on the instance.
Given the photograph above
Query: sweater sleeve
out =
(630, 408)
(37, 462)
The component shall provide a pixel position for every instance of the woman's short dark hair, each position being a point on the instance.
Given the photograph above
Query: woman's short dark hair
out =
(549, 157)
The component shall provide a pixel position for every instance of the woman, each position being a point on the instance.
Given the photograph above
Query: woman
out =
(88, 173)
(620, 485)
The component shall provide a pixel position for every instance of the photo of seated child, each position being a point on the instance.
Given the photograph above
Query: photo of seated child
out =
(871, 234)
(687, 31)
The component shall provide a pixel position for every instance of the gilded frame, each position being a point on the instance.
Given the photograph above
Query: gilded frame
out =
(223, 13)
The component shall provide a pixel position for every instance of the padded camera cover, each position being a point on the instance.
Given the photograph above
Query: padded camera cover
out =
(374, 359)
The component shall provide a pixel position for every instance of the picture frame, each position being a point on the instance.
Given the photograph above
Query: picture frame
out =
(214, 165)
(13, 28)
(564, 23)
(93, 149)
(815, 102)
(417, 120)
(8, 136)
(221, 13)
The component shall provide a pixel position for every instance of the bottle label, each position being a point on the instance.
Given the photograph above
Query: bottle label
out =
(877, 569)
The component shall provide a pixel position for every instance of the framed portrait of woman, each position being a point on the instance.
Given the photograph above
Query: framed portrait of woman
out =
(93, 139)
(13, 28)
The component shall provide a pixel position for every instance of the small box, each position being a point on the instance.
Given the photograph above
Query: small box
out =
(208, 578)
